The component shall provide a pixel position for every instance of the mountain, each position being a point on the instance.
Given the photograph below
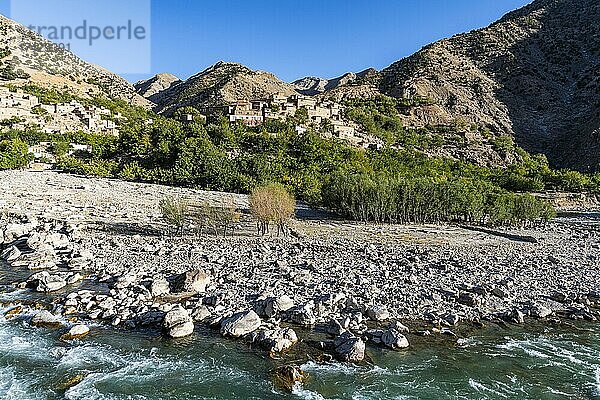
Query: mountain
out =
(534, 74)
(157, 88)
(219, 84)
(28, 58)
(311, 86)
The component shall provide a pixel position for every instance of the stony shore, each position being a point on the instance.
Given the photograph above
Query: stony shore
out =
(100, 249)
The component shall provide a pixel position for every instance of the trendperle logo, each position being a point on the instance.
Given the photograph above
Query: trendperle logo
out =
(62, 35)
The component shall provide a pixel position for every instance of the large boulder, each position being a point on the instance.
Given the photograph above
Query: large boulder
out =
(11, 254)
(159, 287)
(394, 339)
(13, 232)
(275, 340)
(275, 305)
(76, 332)
(45, 319)
(178, 323)
(194, 281)
(349, 348)
(45, 282)
(303, 316)
(378, 313)
(240, 324)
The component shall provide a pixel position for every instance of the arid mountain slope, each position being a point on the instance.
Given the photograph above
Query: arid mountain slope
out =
(222, 83)
(534, 74)
(27, 57)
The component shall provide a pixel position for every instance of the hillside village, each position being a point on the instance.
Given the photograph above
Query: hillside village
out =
(280, 107)
(19, 110)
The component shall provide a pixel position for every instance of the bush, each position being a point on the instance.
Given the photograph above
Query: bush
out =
(175, 212)
(272, 203)
(217, 218)
(380, 198)
(14, 153)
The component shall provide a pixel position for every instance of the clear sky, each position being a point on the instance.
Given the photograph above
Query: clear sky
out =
(296, 38)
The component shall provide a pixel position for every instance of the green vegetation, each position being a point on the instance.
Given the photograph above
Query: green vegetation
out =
(379, 117)
(395, 184)
(14, 153)
(381, 198)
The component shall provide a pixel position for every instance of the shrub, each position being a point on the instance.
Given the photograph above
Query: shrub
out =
(217, 218)
(272, 203)
(380, 198)
(14, 153)
(175, 212)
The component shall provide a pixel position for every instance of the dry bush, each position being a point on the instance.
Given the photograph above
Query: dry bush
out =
(214, 218)
(272, 203)
(175, 212)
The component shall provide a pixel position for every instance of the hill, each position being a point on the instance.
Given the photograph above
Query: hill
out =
(28, 58)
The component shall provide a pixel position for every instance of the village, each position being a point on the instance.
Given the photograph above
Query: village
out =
(281, 107)
(20, 110)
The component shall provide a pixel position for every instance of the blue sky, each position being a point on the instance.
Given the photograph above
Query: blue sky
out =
(300, 38)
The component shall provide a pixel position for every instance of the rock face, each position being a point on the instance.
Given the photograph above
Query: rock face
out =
(32, 59)
(220, 84)
(240, 324)
(534, 74)
(178, 323)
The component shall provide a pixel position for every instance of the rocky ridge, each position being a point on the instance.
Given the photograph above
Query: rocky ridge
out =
(28, 58)
(220, 84)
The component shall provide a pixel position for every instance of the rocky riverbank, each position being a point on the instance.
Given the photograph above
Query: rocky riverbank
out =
(99, 248)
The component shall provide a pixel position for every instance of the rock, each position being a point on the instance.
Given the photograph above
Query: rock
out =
(397, 325)
(178, 323)
(45, 282)
(515, 316)
(45, 319)
(76, 332)
(302, 316)
(240, 324)
(394, 339)
(349, 348)
(200, 313)
(159, 287)
(74, 278)
(275, 305)
(539, 311)
(11, 254)
(13, 232)
(469, 299)
(275, 340)
(335, 328)
(500, 292)
(451, 319)
(194, 281)
(378, 313)
(287, 377)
